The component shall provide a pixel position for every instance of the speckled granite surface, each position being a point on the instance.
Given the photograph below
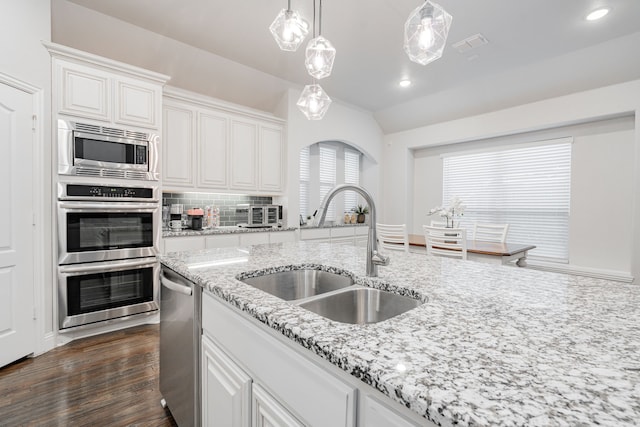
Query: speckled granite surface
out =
(223, 230)
(493, 346)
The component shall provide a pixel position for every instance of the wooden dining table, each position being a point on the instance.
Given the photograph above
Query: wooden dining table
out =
(505, 252)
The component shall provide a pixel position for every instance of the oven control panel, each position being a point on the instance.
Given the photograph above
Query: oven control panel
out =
(100, 191)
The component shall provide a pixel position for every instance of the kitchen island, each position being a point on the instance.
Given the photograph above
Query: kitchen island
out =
(492, 345)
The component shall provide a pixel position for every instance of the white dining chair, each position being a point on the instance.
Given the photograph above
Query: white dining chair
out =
(393, 237)
(448, 242)
(441, 224)
(490, 232)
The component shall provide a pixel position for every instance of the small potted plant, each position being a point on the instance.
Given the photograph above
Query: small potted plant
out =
(361, 211)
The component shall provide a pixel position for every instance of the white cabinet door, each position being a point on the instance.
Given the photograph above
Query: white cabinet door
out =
(271, 158)
(17, 326)
(137, 103)
(244, 142)
(282, 236)
(222, 241)
(267, 412)
(226, 389)
(82, 91)
(323, 234)
(212, 150)
(177, 147)
(247, 239)
(177, 244)
(375, 414)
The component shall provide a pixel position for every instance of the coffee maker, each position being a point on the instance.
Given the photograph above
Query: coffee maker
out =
(176, 212)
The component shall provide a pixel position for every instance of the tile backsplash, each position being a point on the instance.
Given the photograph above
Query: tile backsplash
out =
(230, 215)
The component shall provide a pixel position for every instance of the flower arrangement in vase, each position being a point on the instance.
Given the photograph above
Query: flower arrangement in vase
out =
(456, 208)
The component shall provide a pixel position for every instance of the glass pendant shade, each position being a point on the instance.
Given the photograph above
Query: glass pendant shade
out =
(313, 102)
(425, 33)
(320, 55)
(289, 29)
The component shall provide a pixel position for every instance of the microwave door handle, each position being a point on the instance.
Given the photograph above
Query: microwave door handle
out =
(175, 286)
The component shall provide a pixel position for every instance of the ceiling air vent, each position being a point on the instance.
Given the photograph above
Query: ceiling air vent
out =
(469, 43)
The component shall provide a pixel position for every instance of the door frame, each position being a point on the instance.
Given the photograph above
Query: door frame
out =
(43, 340)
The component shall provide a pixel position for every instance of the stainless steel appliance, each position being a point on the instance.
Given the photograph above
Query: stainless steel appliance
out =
(108, 239)
(100, 223)
(264, 216)
(95, 292)
(180, 323)
(99, 151)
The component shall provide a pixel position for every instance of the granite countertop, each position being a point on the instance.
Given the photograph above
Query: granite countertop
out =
(492, 346)
(308, 226)
(223, 230)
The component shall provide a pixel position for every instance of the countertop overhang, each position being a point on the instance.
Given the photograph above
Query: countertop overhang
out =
(494, 345)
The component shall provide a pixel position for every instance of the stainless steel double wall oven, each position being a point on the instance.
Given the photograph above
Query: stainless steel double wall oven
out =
(109, 224)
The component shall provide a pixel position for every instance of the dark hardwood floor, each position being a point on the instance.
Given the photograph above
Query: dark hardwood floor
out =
(107, 380)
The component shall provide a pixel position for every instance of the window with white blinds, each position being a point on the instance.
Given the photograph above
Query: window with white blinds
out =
(351, 176)
(305, 174)
(328, 160)
(527, 188)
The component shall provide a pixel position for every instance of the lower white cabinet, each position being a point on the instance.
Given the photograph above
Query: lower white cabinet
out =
(178, 244)
(226, 389)
(268, 412)
(231, 240)
(375, 414)
(346, 235)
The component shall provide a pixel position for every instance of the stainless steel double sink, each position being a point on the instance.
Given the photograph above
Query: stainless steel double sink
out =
(332, 295)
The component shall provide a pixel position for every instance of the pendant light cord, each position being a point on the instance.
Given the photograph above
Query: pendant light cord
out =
(289, 6)
(314, 19)
(320, 19)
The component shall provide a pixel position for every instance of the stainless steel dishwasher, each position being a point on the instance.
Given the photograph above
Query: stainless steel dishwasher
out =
(180, 323)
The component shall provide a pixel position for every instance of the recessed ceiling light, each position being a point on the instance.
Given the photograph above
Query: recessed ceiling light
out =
(405, 83)
(597, 14)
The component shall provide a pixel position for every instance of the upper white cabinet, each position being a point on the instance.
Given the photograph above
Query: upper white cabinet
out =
(177, 149)
(244, 155)
(91, 87)
(226, 148)
(270, 154)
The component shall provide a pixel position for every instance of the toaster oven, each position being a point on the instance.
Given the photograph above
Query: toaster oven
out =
(264, 216)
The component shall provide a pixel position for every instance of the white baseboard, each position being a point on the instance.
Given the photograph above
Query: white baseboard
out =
(615, 275)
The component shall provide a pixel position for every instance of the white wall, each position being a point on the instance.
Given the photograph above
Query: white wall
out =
(611, 152)
(25, 23)
(341, 123)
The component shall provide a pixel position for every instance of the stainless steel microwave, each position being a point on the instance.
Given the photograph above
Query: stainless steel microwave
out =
(100, 151)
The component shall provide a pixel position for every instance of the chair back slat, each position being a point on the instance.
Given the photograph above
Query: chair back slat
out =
(449, 242)
(393, 237)
(490, 232)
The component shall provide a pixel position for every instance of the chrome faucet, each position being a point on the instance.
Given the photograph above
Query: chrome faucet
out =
(374, 259)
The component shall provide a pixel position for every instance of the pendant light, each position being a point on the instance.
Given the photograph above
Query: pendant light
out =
(425, 32)
(320, 53)
(314, 102)
(289, 29)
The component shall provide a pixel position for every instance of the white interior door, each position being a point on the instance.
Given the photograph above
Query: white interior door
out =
(17, 326)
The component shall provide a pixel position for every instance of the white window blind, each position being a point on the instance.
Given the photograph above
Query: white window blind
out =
(304, 181)
(328, 157)
(528, 188)
(351, 176)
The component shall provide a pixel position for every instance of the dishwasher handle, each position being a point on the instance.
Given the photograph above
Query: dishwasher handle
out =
(176, 286)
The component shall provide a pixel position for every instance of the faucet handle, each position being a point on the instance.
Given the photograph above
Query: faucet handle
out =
(379, 259)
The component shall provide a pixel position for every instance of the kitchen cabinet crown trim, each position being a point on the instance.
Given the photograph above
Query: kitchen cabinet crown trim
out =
(66, 52)
(171, 92)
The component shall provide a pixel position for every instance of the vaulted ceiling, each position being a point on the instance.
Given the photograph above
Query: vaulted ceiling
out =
(536, 50)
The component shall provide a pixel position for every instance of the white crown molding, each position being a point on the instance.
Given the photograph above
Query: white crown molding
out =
(65, 52)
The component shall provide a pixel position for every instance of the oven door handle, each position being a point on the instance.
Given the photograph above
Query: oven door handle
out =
(175, 286)
(107, 205)
(107, 266)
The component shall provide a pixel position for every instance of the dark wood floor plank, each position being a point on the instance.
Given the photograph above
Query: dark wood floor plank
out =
(106, 380)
